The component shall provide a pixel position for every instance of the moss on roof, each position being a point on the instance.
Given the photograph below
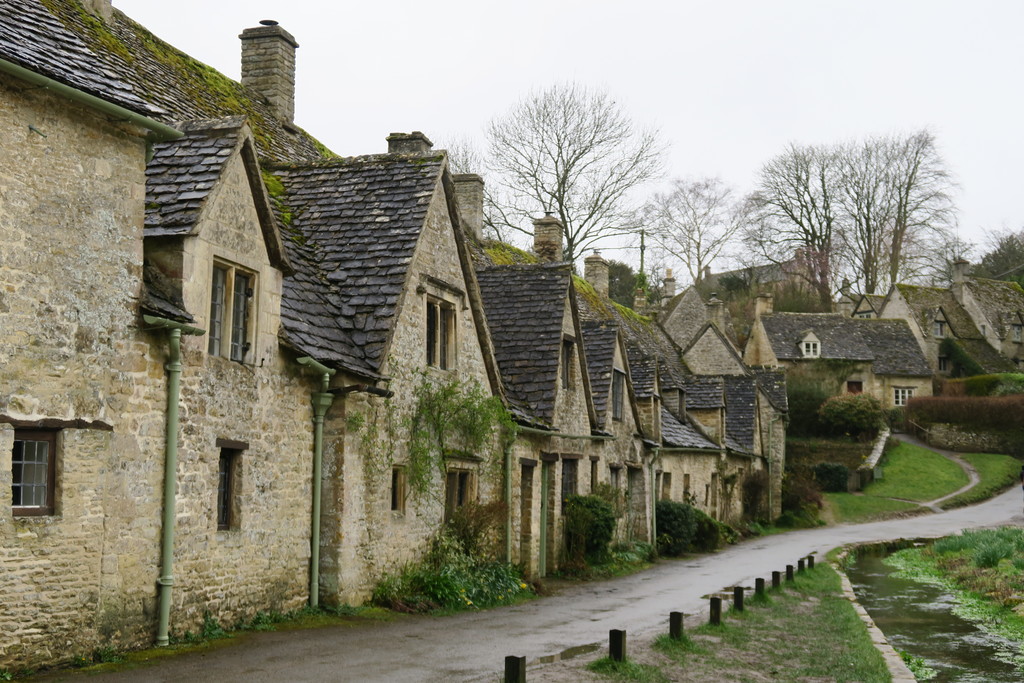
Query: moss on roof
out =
(502, 254)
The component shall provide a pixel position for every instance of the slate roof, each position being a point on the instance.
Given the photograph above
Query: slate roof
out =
(1001, 302)
(351, 226)
(888, 344)
(123, 62)
(183, 172)
(599, 340)
(161, 297)
(525, 307)
(773, 383)
(703, 392)
(32, 37)
(926, 302)
(740, 412)
(678, 434)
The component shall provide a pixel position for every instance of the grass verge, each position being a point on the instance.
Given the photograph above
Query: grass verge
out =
(997, 473)
(848, 508)
(782, 638)
(915, 473)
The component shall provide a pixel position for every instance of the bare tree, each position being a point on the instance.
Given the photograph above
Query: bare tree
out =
(694, 221)
(793, 214)
(572, 151)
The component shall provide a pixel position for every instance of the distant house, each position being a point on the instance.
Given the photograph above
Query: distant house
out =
(852, 355)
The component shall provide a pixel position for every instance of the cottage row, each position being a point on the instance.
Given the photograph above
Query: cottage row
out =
(224, 354)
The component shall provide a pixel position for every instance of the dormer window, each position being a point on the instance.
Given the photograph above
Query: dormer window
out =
(939, 328)
(440, 334)
(232, 293)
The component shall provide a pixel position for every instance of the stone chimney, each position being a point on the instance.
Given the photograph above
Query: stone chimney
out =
(547, 239)
(845, 304)
(268, 65)
(99, 8)
(640, 301)
(763, 305)
(409, 143)
(469, 193)
(716, 312)
(959, 276)
(668, 285)
(595, 270)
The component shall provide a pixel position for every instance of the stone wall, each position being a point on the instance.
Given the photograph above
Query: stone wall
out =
(956, 438)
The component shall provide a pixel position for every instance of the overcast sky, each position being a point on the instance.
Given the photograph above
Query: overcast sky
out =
(728, 83)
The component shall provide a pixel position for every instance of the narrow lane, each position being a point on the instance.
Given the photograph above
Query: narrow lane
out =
(472, 646)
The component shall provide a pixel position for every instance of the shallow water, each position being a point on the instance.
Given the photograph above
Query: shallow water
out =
(918, 618)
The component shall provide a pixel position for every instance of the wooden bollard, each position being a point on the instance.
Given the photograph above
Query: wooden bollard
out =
(675, 625)
(515, 669)
(617, 645)
(776, 579)
(759, 586)
(789, 572)
(810, 561)
(716, 611)
(737, 598)
(800, 565)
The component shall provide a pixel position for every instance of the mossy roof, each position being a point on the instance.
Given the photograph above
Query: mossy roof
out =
(927, 303)
(122, 61)
(1001, 302)
(600, 340)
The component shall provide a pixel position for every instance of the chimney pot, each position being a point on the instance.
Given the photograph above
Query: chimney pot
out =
(547, 238)
(268, 65)
(409, 143)
(595, 270)
(716, 312)
(763, 305)
(469, 193)
(668, 285)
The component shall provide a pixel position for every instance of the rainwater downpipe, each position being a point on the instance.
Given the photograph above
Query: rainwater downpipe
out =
(166, 580)
(508, 503)
(654, 498)
(321, 402)
(158, 132)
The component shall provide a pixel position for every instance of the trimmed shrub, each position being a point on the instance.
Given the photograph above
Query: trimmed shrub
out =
(589, 526)
(832, 477)
(853, 414)
(1003, 384)
(988, 412)
(676, 527)
(711, 534)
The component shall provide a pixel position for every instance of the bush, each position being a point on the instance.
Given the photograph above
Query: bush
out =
(992, 553)
(853, 414)
(676, 527)
(1004, 384)
(804, 402)
(755, 492)
(832, 477)
(801, 501)
(988, 413)
(476, 528)
(711, 534)
(589, 527)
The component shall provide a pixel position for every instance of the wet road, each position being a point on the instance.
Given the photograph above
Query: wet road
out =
(472, 646)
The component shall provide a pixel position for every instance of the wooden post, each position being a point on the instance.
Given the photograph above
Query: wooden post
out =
(789, 572)
(776, 579)
(759, 586)
(800, 565)
(617, 645)
(716, 611)
(515, 669)
(737, 598)
(675, 625)
(810, 561)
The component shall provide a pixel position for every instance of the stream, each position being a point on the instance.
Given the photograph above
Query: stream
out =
(918, 618)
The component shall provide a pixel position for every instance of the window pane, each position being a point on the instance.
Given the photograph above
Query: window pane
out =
(218, 288)
(431, 333)
(30, 468)
(445, 337)
(240, 317)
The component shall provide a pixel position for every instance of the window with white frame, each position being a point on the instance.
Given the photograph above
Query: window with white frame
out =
(939, 328)
(232, 294)
(901, 395)
(943, 363)
(34, 472)
(811, 349)
(440, 334)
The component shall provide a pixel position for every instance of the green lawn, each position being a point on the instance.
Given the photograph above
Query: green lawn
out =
(915, 473)
(997, 473)
(852, 509)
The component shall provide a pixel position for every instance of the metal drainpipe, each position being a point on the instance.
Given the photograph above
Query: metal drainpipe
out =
(321, 402)
(508, 503)
(654, 499)
(166, 580)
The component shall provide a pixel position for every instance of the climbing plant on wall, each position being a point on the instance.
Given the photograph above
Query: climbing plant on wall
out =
(455, 417)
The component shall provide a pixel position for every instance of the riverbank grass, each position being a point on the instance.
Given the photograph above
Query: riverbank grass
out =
(849, 508)
(807, 630)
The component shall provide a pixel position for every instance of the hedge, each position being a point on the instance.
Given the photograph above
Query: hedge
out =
(978, 412)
